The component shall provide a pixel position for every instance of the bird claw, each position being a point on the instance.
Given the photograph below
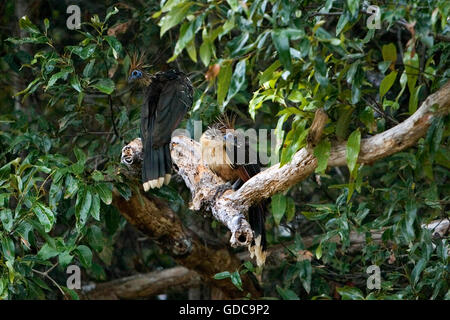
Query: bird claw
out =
(221, 189)
(237, 184)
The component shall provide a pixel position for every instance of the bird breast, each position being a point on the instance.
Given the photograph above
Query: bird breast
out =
(215, 157)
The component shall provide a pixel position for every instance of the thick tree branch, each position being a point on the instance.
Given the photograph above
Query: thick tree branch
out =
(230, 207)
(143, 285)
(154, 218)
(179, 278)
(303, 163)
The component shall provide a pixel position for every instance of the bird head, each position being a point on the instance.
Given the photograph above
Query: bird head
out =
(135, 75)
(137, 72)
(230, 136)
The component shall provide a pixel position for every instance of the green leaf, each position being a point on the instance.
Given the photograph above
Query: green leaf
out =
(223, 83)
(34, 40)
(71, 186)
(389, 52)
(387, 83)
(281, 42)
(169, 4)
(434, 136)
(322, 153)
(414, 99)
(315, 215)
(237, 81)
(125, 191)
(82, 206)
(352, 71)
(411, 62)
(249, 266)
(174, 16)
(205, 52)
(320, 71)
(287, 294)
(83, 52)
(104, 190)
(27, 25)
(278, 204)
(80, 155)
(7, 219)
(290, 209)
(319, 251)
(222, 275)
(95, 207)
(187, 33)
(97, 176)
(105, 85)
(350, 293)
(383, 66)
(95, 238)
(345, 116)
(236, 280)
(85, 255)
(47, 252)
(234, 4)
(87, 72)
(75, 83)
(115, 45)
(44, 215)
(111, 13)
(353, 147)
(342, 22)
(59, 75)
(353, 6)
(191, 50)
(267, 75)
(65, 258)
(8, 248)
(305, 274)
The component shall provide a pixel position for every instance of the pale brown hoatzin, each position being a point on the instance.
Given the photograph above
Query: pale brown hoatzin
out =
(227, 154)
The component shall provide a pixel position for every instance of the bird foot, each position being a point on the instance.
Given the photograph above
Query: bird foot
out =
(221, 189)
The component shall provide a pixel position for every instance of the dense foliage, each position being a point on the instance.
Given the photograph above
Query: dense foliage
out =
(271, 62)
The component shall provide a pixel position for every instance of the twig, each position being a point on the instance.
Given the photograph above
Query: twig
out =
(45, 274)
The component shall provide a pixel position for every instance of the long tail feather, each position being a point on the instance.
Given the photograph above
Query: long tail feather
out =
(155, 170)
(258, 247)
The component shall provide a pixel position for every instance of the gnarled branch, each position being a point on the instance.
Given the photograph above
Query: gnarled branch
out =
(142, 285)
(230, 206)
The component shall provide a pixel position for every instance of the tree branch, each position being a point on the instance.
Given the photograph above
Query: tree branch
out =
(142, 285)
(154, 218)
(230, 207)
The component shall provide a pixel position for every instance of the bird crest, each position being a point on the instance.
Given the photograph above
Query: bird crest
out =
(138, 61)
(225, 121)
(138, 68)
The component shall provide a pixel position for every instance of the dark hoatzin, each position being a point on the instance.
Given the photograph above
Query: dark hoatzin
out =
(228, 154)
(168, 97)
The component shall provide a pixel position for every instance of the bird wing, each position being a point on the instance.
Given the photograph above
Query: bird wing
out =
(241, 162)
(175, 99)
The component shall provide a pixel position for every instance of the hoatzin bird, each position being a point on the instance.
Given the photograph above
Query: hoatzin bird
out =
(227, 154)
(168, 97)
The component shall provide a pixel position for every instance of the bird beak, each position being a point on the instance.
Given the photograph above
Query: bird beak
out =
(130, 80)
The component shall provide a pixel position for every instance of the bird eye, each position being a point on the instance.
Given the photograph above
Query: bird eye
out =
(229, 136)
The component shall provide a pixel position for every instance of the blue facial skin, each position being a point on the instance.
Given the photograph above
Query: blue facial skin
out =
(228, 137)
(136, 74)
